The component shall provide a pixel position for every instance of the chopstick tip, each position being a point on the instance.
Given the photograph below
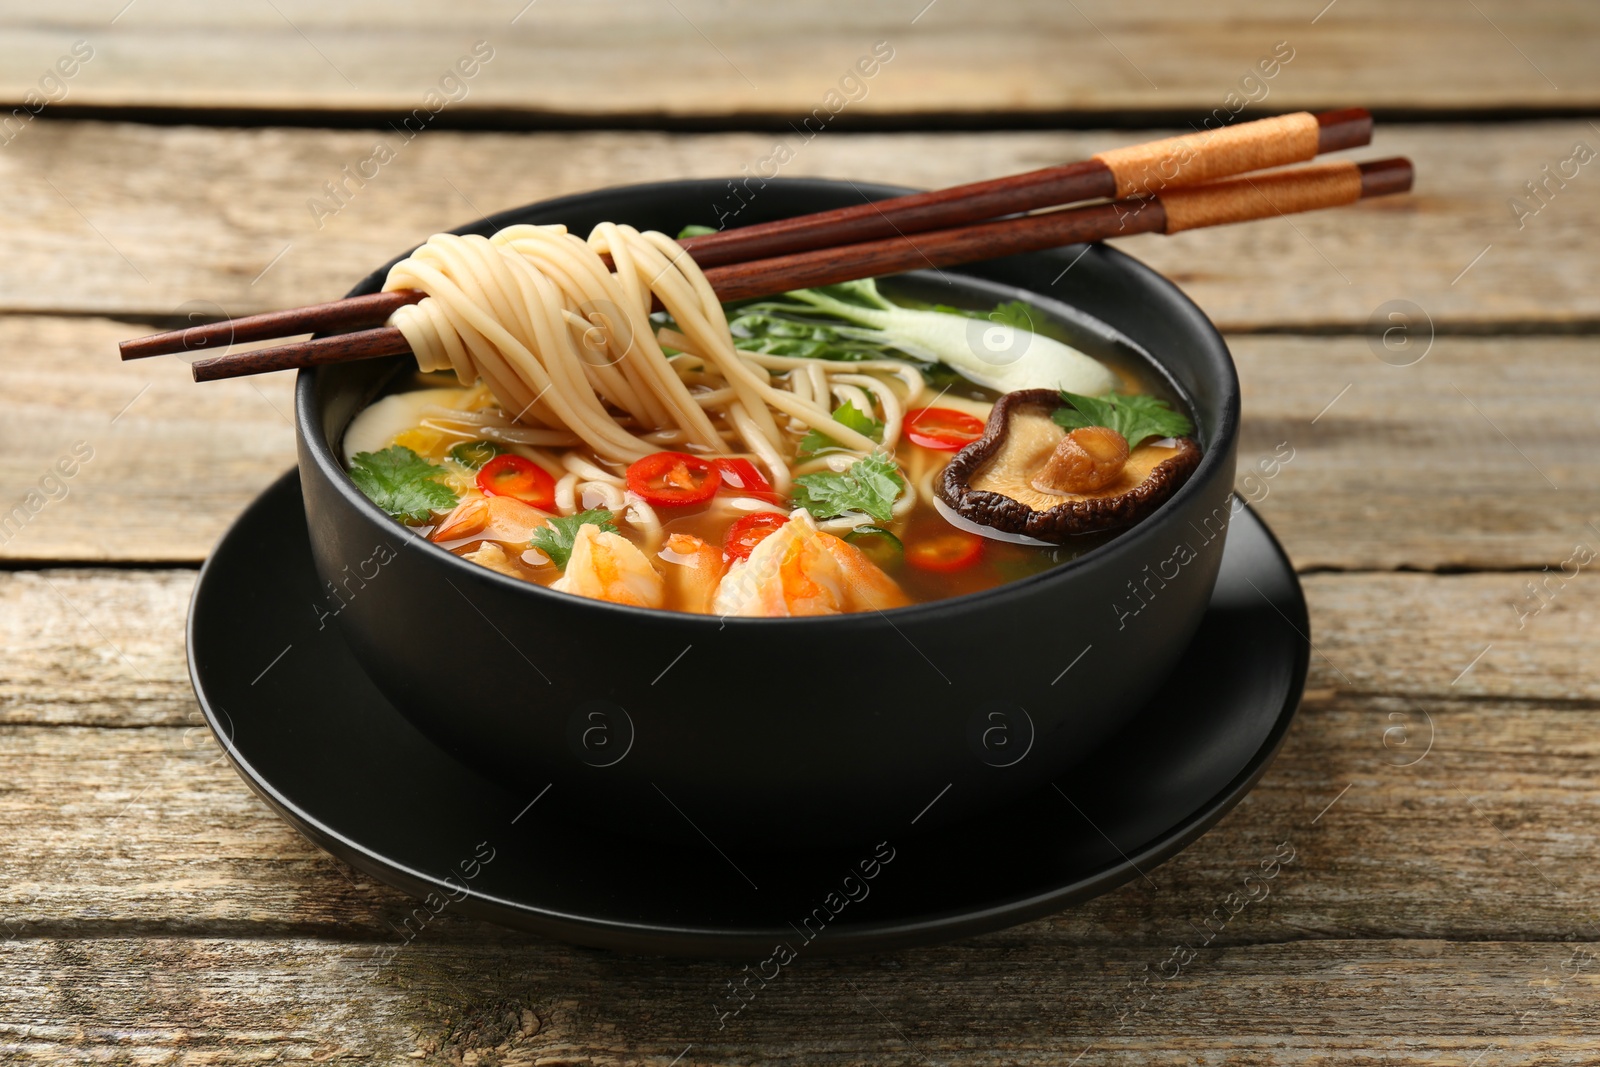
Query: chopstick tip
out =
(1383, 177)
(1349, 127)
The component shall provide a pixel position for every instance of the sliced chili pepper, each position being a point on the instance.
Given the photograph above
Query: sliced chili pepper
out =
(744, 476)
(945, 553)
(673, 479)
(475, 454)
(942, 429)
(512, 475)
(749, 531)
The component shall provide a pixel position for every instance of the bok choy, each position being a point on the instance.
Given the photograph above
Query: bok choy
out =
(993, 349)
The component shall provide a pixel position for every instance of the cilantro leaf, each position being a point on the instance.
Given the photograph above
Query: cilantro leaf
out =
(555, 540)
(847, 413)
(1136, 418)
(870, 485)
(401, 482)
(474, 454)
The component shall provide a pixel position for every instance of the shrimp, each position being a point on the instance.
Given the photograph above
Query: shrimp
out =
(799, 570)
(489, 518)
(494, 557)
(608, 566)
(868, 588)
(694, 568)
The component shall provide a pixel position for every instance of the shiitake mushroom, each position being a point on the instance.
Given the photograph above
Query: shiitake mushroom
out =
(1027, 475)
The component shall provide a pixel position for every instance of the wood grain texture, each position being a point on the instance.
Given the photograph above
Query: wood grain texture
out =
(1468, 458)
(181, 460)
(703, 58)
(119, 219)
(170, 462)
(157, 834)
(284, 1000)
(1440, 788)
(1439, 904)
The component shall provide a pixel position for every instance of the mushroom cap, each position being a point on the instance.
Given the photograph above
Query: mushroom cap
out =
(990, 481)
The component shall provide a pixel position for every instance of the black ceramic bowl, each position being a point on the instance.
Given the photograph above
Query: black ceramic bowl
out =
(779, 732)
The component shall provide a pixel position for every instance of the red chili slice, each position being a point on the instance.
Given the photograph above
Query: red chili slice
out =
(514, 476)
(944, 553)
(673, 480)
(749, 531)
(943, 429)
(746, 478)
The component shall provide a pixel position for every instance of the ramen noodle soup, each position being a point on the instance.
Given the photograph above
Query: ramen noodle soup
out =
(587, 417)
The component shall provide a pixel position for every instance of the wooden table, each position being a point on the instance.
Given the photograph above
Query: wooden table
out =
(1439, 790)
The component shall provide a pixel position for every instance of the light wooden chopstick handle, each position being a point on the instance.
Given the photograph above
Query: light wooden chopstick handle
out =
(1260, 196)
(1148, 169)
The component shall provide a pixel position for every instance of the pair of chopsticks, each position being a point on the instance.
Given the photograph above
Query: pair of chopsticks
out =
(1162, 186)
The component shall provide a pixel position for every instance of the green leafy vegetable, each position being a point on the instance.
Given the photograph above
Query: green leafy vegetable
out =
(555, 540)
(1013, 313)
(777, 329)
(847, 413)
(880, 545)
(996, 349)
(1136, 418)
(474, 454)
(401, 482)
(871, 485)
(695, 231)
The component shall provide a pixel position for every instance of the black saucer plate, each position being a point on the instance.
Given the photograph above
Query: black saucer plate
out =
(311, 734)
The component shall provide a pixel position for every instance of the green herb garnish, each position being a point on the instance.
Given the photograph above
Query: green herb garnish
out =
(871, 485)
(401, 482)
(474, 454)
(555, 540)
(849, 415)
(695, 231)
(1136, 418)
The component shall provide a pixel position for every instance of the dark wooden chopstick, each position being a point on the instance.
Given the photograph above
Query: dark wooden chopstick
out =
(1217, 203)
(1063, 184)
(1190, 159)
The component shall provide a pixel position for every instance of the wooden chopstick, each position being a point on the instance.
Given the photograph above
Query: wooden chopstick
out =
(1136, 170)
(1239, 199)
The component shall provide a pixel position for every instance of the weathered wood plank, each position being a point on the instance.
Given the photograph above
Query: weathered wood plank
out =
(156, 834)
(188, 1002)
(1470, 458)
(180, 461)
(160, 465)
(1468, 807)
(699, 58)
(136, 220)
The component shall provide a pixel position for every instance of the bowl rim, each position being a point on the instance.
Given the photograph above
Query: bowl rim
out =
(308, 427)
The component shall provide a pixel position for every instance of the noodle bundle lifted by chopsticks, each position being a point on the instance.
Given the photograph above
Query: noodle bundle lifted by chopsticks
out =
(565, 341)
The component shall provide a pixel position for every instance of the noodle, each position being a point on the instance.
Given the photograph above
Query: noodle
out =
(893, 413)
(565, 341)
